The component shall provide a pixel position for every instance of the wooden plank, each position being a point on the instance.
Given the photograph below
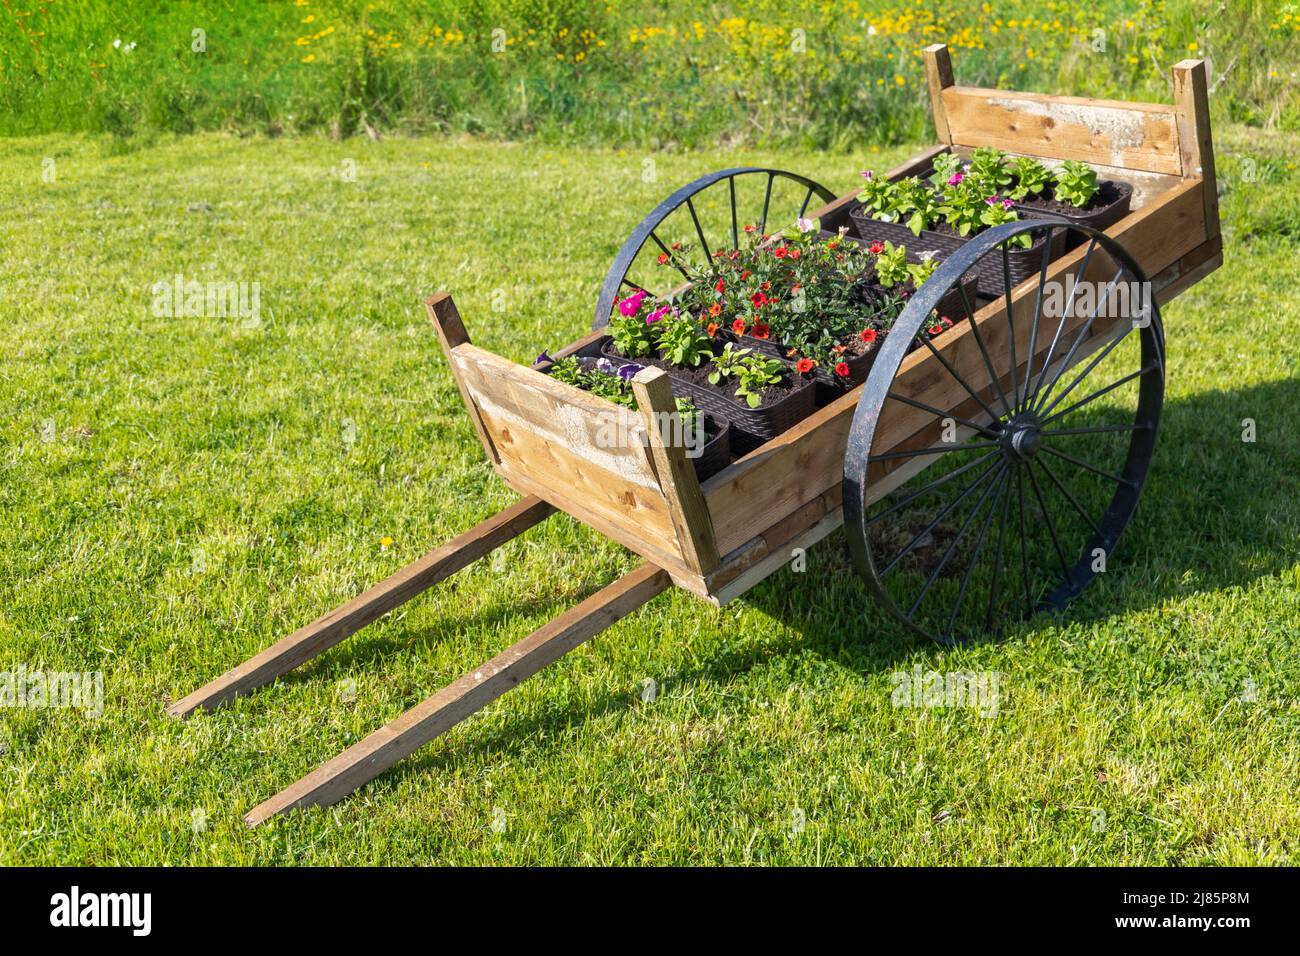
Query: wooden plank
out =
(1196, 145)
(367, 759)
(451, 333)
(1142, 136)
(801, 464)
(326, 631)
(938, 76)
(681, 488)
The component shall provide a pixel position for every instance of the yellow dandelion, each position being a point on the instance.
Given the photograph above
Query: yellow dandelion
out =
(309, 58)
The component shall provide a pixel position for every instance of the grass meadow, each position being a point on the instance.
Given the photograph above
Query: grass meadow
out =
(179, 492)
(835, 74)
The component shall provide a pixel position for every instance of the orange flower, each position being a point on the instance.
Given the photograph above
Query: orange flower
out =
(715, 310)
(712, 329)
(805, 365)
(738, 326)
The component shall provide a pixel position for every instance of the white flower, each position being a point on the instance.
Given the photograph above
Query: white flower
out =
(871, 30)
(805, 225)
(117, 43)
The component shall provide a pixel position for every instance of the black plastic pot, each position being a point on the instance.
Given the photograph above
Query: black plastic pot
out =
(1101, 218)
(750, 427)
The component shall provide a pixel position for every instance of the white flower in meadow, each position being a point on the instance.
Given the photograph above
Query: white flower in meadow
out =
(871, 30)
(117, 43)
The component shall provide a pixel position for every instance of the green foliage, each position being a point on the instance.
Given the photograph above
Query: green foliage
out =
(633, 336)
(988, 167)
(682, 341)
(1076, 183)
(919, 272)
(1032, 177)
(880, 197)
(753, 372)
(891, 266)
(918, 203)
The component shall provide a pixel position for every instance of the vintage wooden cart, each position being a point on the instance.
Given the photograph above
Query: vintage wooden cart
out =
(992, 394)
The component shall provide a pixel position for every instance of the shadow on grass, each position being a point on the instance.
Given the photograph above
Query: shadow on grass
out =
(1217, 512)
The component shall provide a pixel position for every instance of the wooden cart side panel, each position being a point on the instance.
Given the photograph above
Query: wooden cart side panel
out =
(1141, 136)
(805, 462)
(584, 455)
(451, 333)
(1191, 93)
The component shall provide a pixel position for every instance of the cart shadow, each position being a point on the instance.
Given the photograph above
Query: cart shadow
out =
(1202, 468)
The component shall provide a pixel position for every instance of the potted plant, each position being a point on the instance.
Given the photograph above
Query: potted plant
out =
(708, 437)
(760, 396)
(1072, 191)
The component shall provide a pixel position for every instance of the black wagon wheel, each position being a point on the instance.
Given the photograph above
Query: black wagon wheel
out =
(1010, 497)
(698, 219)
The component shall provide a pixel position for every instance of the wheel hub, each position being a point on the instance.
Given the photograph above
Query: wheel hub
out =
(1020, 439)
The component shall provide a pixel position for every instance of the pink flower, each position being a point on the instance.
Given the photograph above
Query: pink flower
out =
(657, 314)
(866, 174)
(804, 225)
(955, 178)
(1007, 204)
(632, 304)
(993, 200)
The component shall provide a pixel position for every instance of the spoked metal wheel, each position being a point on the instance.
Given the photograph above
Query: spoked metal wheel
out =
(699, 219)
(992, 468)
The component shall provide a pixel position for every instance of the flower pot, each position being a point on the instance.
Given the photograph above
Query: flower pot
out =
(750, 427)
(1110, 205)
(716, 453)
(1021, 263)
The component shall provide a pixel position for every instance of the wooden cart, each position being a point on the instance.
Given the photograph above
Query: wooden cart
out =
(978, 387)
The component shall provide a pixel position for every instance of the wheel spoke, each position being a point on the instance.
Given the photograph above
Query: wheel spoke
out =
(767, 199)
(1094, 430)
(953, 372)
(1011, 324)
(975, 556)
(979, 341)
(735, 229)
(1038, 313)
(939, 413)
(1065, 315)
(995, 585)
(952, 545)
(908, 499)
(1069, 497)
(806, 199)
(1078, 340)
(1088, 368)
(1092, 468)
(1051, 526)
(933, 450)
(1024, 542)
(671, 258)
(942, 514)
(1102, 391)
(704, 244)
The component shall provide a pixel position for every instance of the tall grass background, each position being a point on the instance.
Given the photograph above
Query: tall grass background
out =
(661, 73)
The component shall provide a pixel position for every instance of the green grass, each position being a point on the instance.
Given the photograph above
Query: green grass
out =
(822, 73)
(129, 441)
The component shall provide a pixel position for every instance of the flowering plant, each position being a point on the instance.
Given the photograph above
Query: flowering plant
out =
(880, 197)
(988, 167)
(682, 341)
(891, 265)
(633, 334)
(613, 383)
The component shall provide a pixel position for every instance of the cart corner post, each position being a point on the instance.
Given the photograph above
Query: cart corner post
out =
(1195, 143)
(681, 488)
(938, 76)
(451, 333)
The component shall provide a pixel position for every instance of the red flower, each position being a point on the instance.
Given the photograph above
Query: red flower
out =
(663, 257)
(721, 287)
(867, 335)
(760, 331)
(766, 286)
(935, 330)
(712, 329)
(876, 248)
(749, 228)
(715, 310)
(795, 253)
(842, 369)
(738, 326)
(758, 299)
(744, 275)
(806, 365)
(779, 252)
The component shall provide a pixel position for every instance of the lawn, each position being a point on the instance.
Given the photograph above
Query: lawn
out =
(179, 492)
